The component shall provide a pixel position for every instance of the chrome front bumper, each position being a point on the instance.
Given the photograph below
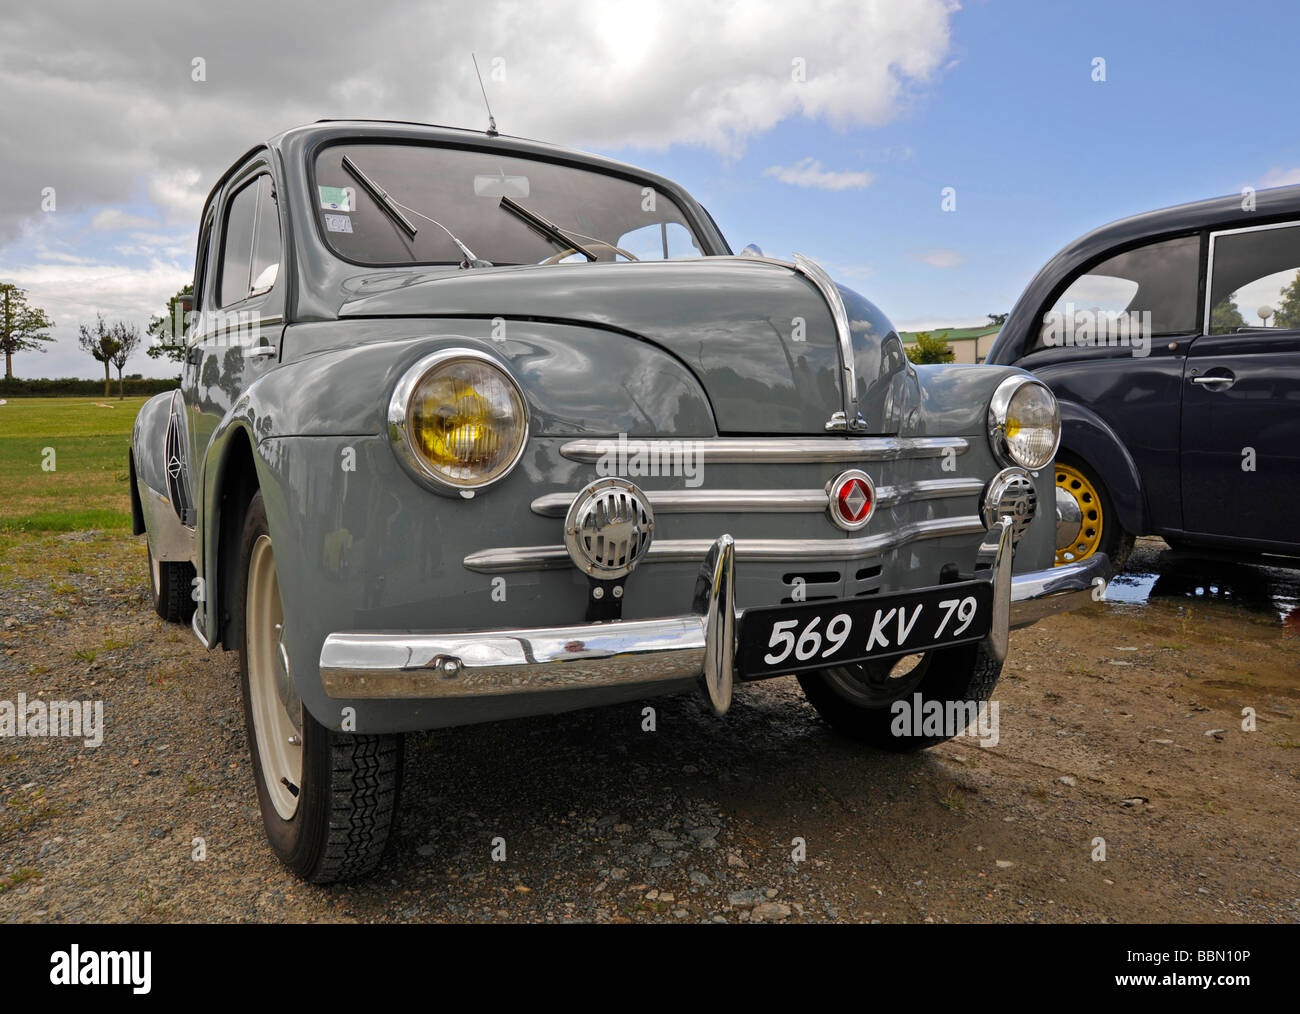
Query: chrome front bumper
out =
(696, 645)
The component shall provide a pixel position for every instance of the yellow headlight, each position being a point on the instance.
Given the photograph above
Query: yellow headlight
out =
(1024, 422)
(461, 418)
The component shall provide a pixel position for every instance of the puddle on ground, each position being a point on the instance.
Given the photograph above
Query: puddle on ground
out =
(1156, 574)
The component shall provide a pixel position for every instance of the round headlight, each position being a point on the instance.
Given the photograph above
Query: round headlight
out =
(1024, 423)
(458, 420)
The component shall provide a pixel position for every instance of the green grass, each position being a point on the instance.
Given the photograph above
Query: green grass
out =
(87, 487)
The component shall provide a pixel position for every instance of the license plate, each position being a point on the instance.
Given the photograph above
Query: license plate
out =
(814, 635)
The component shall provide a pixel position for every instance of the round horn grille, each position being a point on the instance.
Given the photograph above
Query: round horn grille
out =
(608, 528)
(1011, 494)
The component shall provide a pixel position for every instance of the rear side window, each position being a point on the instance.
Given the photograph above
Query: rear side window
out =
(250, 248)
(1255, 280)
(1151, 288)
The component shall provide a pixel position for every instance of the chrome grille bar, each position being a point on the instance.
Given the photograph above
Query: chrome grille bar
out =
(774, 501)
(522, 558)
(764, 450)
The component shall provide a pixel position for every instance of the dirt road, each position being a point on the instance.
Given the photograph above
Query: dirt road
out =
(1122, 723)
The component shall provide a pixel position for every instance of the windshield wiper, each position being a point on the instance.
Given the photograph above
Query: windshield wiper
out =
(548, 229)
(394, 210)
(380, 196)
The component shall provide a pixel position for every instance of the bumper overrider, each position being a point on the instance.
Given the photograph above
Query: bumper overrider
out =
(699, 644)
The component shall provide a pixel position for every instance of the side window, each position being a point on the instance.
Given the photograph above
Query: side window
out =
(660, 241)
(201, 262)
(1151, 290)
(237, 244)
(1255, 280)
(266, 239)
(250, 248)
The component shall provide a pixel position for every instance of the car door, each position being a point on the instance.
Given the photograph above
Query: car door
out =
(1113, 342)
(236, 332)
(1240, 440)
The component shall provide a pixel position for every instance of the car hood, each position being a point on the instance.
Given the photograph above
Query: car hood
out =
(758, 335)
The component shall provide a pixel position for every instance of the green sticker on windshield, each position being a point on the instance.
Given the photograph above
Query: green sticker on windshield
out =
(337, 198)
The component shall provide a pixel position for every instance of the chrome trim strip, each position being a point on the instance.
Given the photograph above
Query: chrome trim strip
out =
(774, 501)
(824, 284)
(650, 653)
(768, 450)
(520, 558)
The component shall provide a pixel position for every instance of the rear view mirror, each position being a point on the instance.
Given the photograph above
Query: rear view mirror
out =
(500, 185)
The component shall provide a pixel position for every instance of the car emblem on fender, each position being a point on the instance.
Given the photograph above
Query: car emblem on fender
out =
(851, 499)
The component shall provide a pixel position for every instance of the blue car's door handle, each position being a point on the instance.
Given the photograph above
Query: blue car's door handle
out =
(1227, 381)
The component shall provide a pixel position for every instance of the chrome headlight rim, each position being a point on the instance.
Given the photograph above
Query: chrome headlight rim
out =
(399, 420)
(999, 405)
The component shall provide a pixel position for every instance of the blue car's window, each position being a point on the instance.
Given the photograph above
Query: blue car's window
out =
(1151, 289)
(450, 192)
(1256, 280)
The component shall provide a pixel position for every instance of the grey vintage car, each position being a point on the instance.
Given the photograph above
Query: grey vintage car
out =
(473, 427)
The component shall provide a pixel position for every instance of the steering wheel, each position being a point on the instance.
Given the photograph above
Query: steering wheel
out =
(598, 245)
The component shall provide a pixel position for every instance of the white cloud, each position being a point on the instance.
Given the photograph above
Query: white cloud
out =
(1278, 177)
(809, 173)
(113, 219)
(111, 112)
(71, 294)
(940, 258)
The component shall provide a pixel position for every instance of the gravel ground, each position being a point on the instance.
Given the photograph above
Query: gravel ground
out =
(1119, 722)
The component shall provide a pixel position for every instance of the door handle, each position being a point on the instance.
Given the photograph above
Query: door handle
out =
(1227, 381)
(261, 351)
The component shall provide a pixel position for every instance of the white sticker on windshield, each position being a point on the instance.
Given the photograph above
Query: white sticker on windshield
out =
(338, 223)
(338, 198)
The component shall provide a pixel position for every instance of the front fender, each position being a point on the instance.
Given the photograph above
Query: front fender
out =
(1086, 435)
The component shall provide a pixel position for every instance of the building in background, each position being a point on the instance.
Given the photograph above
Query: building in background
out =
(969, 344)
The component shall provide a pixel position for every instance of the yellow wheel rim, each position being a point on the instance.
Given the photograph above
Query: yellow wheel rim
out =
(1081, 490)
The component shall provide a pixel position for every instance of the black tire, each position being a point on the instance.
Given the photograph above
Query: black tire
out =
(1116, 540)
(966, 673)
(348, 796)
(173, 591)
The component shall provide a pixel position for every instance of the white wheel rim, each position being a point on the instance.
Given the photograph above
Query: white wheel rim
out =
(276, 723)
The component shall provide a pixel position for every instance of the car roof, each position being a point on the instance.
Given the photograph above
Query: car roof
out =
(1234, 211)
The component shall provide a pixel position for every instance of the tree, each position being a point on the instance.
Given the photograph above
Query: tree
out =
(929, 349)
(1225, 318)
(22, 327)
(127, 339)
(98, 340)
(1288, 310)
(167, 333)
(997, 319)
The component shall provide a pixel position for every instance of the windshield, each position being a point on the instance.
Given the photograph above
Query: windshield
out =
(505, 210)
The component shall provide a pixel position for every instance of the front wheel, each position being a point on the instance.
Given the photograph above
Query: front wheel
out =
(1099, 527)
(328, 799)
(907, 703)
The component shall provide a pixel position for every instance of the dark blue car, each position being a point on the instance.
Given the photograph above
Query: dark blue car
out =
(1172, 341)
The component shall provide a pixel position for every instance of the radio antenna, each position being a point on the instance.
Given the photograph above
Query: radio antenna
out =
(492, 123)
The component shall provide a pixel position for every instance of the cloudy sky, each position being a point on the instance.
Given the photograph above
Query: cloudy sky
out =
(825, 127)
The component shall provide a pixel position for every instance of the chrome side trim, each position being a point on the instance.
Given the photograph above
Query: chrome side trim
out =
(767, 450)
(851, 415)
(519, 558)
(168, 539)
(773, 501)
